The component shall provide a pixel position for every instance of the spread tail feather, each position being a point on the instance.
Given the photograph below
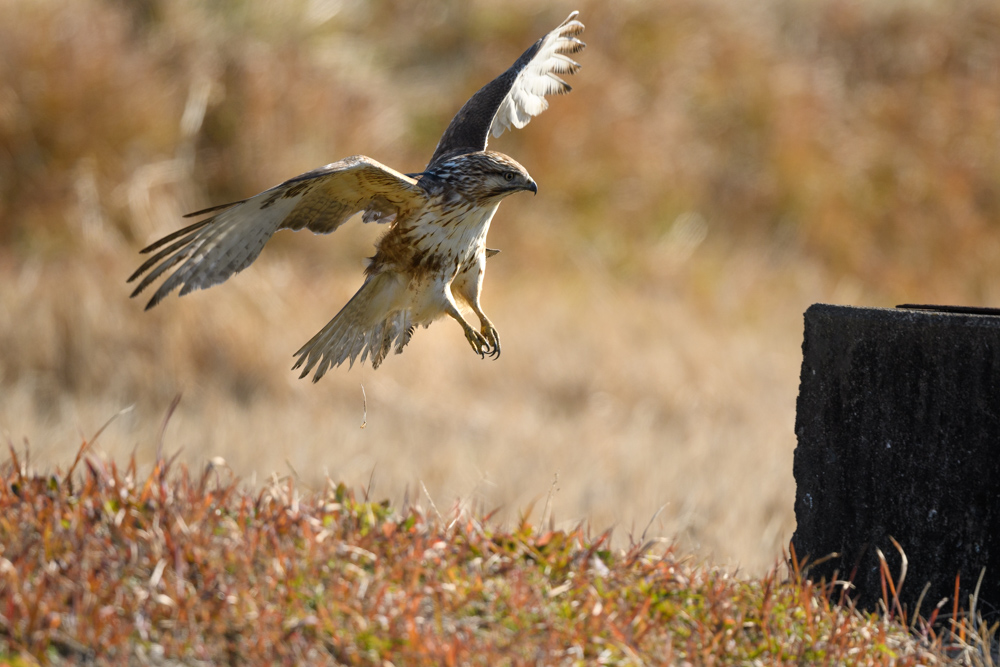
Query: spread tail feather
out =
(369, 325)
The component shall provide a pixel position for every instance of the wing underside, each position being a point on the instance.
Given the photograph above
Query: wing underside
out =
(511, 99)
(211, 250)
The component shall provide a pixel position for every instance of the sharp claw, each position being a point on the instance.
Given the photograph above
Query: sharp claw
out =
(485, 343)
(493, 340)
(478, 342)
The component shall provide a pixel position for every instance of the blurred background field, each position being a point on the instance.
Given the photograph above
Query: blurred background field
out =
(719, 166)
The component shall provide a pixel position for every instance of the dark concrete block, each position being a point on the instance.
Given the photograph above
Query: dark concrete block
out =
(898, 425)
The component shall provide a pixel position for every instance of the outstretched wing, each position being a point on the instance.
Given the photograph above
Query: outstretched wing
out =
(515, 96)
(209, 251)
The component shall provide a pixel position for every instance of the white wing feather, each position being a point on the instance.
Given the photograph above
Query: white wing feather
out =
(526, 97)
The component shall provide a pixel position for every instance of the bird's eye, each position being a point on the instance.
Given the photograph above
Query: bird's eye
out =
(508, 176)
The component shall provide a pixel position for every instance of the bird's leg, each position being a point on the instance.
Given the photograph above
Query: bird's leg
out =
(468, 286)
(480, 344)
(488, 330)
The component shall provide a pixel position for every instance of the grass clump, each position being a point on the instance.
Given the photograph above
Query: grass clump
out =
(108, 565)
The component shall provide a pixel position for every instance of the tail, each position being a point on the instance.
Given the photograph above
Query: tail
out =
(368, 325)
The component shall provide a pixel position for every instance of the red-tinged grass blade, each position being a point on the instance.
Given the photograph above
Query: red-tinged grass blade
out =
(163, 427)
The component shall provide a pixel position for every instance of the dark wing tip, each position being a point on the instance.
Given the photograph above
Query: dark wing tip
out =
(180, 232)
(212, 209)
(156, 298)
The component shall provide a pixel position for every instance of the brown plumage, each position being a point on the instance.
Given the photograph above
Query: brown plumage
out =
(433, 257)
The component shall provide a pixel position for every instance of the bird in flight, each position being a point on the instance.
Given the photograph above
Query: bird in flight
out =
(433, 256)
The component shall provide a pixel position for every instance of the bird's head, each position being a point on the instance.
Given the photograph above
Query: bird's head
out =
(482, 176)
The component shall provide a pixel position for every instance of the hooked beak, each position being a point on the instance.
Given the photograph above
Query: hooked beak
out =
(533, 187)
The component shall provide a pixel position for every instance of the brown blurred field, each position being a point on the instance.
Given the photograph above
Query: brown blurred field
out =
(718, 167)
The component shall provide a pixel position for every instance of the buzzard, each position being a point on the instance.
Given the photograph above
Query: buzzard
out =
(433, 255)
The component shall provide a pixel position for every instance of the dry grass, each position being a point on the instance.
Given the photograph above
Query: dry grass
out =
(715, 170)
(106, 566)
